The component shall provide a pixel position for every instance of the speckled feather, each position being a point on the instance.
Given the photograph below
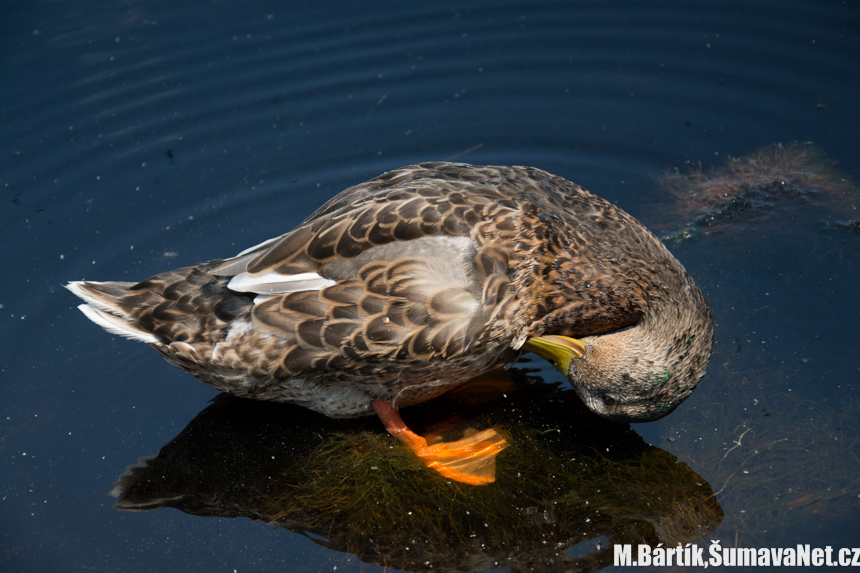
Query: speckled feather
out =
(431, 274)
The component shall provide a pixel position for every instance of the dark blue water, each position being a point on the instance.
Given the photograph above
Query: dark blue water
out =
(138, 137)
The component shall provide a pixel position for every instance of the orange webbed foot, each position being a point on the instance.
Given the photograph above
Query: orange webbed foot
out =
(470, 460)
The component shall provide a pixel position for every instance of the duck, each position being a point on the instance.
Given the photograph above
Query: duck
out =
(402, 288)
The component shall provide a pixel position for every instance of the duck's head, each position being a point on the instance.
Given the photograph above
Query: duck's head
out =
(638, 374)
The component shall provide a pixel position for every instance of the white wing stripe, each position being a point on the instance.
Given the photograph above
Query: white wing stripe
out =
(274, 283)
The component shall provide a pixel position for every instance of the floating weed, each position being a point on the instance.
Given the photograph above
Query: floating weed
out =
(852, 225)
(747, 188)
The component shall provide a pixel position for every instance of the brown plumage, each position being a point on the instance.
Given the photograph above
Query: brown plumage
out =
(402, 287)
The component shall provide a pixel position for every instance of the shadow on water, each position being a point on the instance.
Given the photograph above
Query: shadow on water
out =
(568, 487)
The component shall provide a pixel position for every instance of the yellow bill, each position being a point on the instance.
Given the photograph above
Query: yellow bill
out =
(558, 350)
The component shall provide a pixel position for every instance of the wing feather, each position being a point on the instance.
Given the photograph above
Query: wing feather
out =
(407, 205)
(404, 309)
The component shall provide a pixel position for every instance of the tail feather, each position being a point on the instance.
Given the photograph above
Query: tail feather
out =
(104, 307)
(116, 325)
(102, 295)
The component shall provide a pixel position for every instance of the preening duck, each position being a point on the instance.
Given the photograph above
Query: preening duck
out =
(403, 287)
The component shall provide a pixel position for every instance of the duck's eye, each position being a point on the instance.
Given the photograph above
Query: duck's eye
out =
(609, 400)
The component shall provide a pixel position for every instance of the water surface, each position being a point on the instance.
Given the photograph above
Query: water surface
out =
(141, 137)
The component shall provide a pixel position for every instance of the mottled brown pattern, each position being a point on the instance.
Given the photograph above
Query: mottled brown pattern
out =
(541, 256)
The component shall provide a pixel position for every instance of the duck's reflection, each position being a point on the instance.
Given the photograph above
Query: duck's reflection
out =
(569, 486)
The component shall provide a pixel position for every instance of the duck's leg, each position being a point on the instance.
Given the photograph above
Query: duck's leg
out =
(471, 460)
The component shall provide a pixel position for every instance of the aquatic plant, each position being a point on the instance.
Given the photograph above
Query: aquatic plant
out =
(747, 188)
(568, 478)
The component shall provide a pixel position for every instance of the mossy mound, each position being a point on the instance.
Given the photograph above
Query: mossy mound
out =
(567, 478)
